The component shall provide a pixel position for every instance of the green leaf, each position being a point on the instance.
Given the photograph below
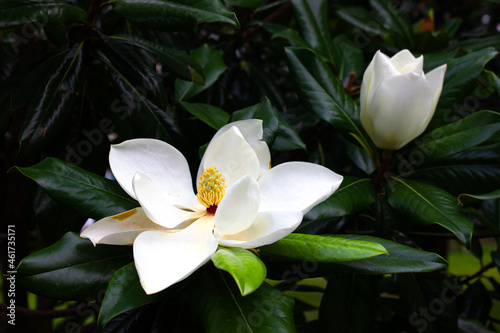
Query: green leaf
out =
(212, 65)
(292, 36)
(72, 268)
(395, 21)
(125, 293)
(175, 61)
(353, 195)
(425, 204)
(221, 309)
(52, 105)
(132, 68)
(401, 259)
(475, 44)
(245, 3)
(323, 248)
(347, 304)
(476, 170)
(244, 266)
(146, 118)
(209, 114)
(361, 18)
(274, 127)
(312, 18)
(174, 15)
(89, 194)
(465, 198)
(322, 93)
(460, 135)
(348, 58)
(19, 12)
(461, 77)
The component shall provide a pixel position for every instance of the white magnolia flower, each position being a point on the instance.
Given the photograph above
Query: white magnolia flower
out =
(240, 201)
(397, 99)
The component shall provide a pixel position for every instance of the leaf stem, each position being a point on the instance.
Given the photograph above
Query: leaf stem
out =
(382, 169)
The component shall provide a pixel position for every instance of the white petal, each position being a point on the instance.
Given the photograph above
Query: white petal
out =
(157, 205)
(252, 131)
(267, 228)
(164, 164)
(232, 156)
(383, 69)
(163, 258)
(435, 79)
(120, 229)
(238, 207)
(399, 109)
(401, 59)
(296, 186)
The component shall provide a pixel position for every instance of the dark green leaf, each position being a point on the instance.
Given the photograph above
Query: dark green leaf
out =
(347, 305)
(51, 107)
(401, 259)
(322, 93)
(292, 36)
(353, 195)
(245, 3)
(221, 308)
(18, 12)
(348, 58)
(475, 171)
(212, 65)
(245, 267)
(175, 61)
(312, 18)
(323, 248)
(209, 114)
(396, 21)
(132, 68)
(72, 268)
(476, 44)
(361, 18)
(125, 293)
(425, 204)
(89, 194)
(465, 198)
(461, 77)
(146, 118)
(174, 15)
(460, 135)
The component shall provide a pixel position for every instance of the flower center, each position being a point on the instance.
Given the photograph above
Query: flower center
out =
(211, 189)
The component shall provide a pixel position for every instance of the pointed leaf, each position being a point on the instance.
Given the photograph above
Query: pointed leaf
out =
(245, 267)
(89, 194)
(52, 105)
(425, 204)
(212, 65)
(321, 92)
(476, 170)
(222, 309)
(209, 114)
(460, 135)
(347, 305)
(353, 195)
(465, 198)
(174, 15)
(361, 18)
(175, 61)
(125, 293)
(323, 248)
(313, 22)
(19, 12)
(71, 269)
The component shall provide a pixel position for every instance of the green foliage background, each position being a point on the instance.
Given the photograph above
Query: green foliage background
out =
(79, 75)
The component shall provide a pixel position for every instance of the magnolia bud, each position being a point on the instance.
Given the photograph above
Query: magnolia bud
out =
(397, 99)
